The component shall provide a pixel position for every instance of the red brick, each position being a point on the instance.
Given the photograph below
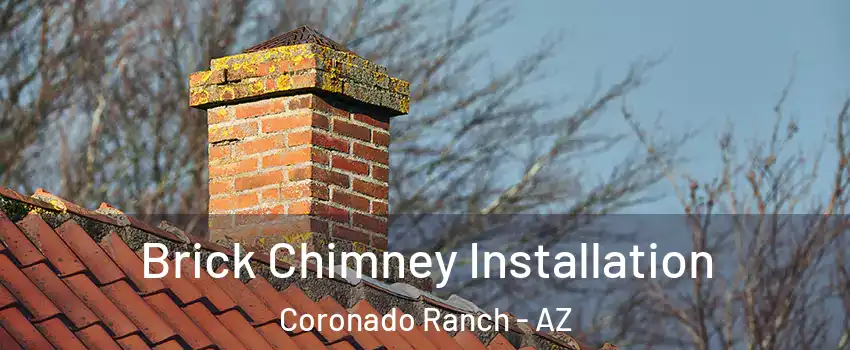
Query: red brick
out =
(246, 200)
(329, 212)
(258, 70)
(316, 103)
(330, 142)
(374, 224)
(206, 78)
(299, 207)
(259, 180)
(371, 121)
(255, 216)
(350, 200)
(297, 156)
(380, 242)
(351, 130)
(199, 97)
(301, 81)
(259, 108)
(380, 138)
(230, 169)
(370, 189)
(284, 123)
(298, 138)
(270, 83)
(300, 102)
(317, 139)
(220, 152)
(321, 175)
(379, 208)
(348, 234)
(305, 63)
(220, 186)
(232, 132)
(269, 195)
(371, 153)
(295, 121)
(305, 190)
(380, 174)
(218, 115)
(349, 165)
(321, 210)
(262, 145)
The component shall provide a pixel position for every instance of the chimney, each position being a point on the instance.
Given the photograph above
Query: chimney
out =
(298, 127)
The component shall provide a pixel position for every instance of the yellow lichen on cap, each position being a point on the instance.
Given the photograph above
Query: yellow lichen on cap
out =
(279, 70)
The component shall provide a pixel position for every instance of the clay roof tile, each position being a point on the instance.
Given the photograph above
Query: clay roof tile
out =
(81, 285)
(24, 332)
(50, 245)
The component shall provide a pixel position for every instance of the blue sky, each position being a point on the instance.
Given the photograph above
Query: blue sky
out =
(727, 60)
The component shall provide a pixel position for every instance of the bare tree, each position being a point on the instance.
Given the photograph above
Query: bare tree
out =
(779, 244)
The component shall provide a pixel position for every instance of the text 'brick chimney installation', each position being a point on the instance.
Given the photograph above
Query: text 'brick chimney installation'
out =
(298, 128)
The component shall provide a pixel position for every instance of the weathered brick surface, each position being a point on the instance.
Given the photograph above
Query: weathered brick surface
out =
(299, 154)
(351, 130)
(347, 164)
(371, 153)
(374, 190)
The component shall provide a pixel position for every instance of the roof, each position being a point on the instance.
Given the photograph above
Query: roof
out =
(300, 35)
(73, 278)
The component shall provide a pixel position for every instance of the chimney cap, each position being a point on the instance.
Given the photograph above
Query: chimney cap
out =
(297, 36)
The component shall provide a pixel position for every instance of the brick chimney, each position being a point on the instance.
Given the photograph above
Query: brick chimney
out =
(298, 128)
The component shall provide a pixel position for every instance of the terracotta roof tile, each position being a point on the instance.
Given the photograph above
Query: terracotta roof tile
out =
(500, 343)
(99, 303)
(274, 335)
(416, 337)
(95, 259)
(38, 305)
(182, 288)
(169, 345)
(6, 297)
(341, 346)
(130, 264)
(22, 330)
(220, 334)
(65, 300)
(307, 340)
(304, 305)
(442, 339)
(66, 287)
(59, 335)
(390, 339)
(95, 337)
(7, 341)
(138, 311)
(250, 303)
(22, 249)
(59, 203)
(364, 338)
(236, 323)
(178, 320)
(206, 285)
(268, 295)
(50, 245)
(132, 342)
(469, 341)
